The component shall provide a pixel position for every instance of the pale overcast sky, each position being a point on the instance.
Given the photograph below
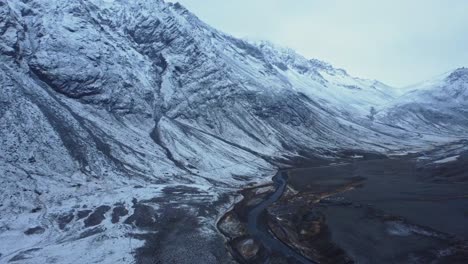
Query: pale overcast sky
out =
(399, 42)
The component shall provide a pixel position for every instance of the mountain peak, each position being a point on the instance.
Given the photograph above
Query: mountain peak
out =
(138, 103)
(460, 74)
(288, 57)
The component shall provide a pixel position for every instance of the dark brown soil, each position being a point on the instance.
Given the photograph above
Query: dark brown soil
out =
(97, 216)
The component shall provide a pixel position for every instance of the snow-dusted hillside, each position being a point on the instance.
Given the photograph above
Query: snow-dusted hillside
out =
(438, 106)
(114, 108)
(334, 88)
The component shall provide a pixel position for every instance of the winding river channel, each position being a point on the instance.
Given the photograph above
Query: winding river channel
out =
(260, 231)
(336, 213)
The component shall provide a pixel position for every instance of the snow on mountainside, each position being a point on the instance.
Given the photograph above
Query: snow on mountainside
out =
(438, 106)
(319, 80)
(119, 117)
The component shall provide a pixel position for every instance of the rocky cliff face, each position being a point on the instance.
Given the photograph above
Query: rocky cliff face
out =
(148, 80)
(119, 103)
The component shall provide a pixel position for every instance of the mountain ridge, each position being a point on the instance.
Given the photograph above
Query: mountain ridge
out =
(108, 103)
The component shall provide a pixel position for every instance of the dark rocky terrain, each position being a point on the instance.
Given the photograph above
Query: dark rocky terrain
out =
(387, 210)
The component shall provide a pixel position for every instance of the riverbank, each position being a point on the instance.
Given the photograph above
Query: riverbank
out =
(385, 211)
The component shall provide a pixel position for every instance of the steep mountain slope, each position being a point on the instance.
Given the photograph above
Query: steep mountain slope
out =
(333, 87)
(124, 71)
(112, 108)
(438, 106)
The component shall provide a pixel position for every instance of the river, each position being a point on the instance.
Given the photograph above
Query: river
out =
(260, 232)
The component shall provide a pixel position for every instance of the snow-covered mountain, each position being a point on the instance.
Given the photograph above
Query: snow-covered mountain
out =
(321, 81)
(437, 106)
(108, 106)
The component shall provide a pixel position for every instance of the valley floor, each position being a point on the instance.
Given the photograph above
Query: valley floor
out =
(376, 211)
(364, 209)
